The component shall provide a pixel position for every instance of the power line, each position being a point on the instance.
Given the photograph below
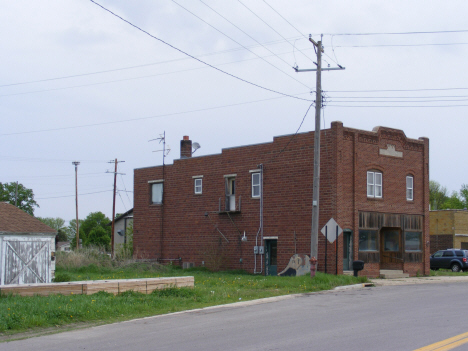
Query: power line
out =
(273, 42)
(294, 135)
(398, 45)
(193, 57)
(273, 29)
(144, 118)
(128, 79)
(406, 101)
(57, 197)
(400, 97)
(393, 90)
(386, 106)
(227, 36)
(29, 159)
(285, 19)
(400, 33)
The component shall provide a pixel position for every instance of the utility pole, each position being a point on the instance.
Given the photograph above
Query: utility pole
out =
(76, 163)
(113, 205)
(318, 107)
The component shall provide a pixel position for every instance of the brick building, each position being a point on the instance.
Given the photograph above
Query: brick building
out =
(448, 229)
(250, 206)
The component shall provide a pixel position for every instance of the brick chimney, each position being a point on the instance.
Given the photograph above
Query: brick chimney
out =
(185, 147)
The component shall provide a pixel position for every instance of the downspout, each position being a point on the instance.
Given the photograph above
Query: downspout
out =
(260, 229)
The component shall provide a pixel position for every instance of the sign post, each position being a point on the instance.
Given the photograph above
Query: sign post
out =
(332, 231)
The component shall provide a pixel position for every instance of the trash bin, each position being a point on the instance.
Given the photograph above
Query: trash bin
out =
(357, 266)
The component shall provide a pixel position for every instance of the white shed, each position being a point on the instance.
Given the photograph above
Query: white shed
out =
(27, 248)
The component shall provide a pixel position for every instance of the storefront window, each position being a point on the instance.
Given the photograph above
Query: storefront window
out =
(413, 241)
(367, 240)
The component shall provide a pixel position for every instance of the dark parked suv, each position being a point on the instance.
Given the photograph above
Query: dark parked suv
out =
(456, 260)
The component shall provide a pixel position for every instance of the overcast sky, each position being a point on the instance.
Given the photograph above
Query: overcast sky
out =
(79, 84)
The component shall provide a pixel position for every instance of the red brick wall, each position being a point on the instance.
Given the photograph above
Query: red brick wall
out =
(346, 155)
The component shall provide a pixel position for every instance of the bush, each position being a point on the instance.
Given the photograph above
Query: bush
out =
(62, 277)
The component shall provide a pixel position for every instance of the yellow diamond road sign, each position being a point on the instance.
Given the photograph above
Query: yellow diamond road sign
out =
(331, 230)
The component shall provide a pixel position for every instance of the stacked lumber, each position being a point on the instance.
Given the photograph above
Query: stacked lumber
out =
(89, 287)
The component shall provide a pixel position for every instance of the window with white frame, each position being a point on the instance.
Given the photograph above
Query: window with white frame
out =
(256, 185)
(409, 188)
(374, 184)
(198, 183)
(157, 193)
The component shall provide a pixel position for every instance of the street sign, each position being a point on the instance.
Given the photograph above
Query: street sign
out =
(331, 230)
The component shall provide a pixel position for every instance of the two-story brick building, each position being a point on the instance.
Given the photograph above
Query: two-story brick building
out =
(250, 206)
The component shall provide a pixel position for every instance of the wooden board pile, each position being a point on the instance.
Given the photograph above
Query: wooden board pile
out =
(88, 287)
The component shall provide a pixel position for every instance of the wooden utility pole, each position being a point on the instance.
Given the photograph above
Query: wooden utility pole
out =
(76, 163)
(113, 205)
(316, 181)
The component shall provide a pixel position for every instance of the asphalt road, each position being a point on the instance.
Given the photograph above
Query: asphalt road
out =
(379, 318)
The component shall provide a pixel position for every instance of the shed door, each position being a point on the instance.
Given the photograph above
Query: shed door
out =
(25, 262)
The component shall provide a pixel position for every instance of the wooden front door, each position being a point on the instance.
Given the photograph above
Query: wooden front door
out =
(391, 256)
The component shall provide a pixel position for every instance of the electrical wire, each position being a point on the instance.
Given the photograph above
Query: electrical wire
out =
(273, 29)
(227, 36)
(386, 106)
(393, 90)
(285, 19)
(145, 118)
(125, 207)
(398, 45)
(123, 182)
(140, 66)
(191, 56)
(293, 136)
(57, 197)
(405, 101)
(400, 33)
(128, 79)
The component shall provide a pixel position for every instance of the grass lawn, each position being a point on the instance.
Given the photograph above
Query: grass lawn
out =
(445, 272)
(20, 314)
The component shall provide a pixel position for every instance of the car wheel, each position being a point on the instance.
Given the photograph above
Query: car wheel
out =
(456, 267)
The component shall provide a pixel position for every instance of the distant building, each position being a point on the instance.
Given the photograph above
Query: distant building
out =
(374, 184)
(63, 246)
(27, 248)
(121, 224)
(448, 229)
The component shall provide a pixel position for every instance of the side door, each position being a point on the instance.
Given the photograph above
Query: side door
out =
(271, 250)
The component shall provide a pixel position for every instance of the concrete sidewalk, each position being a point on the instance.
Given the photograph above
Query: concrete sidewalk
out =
(420, 280)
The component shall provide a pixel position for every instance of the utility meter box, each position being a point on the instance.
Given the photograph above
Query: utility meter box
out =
(261, 250)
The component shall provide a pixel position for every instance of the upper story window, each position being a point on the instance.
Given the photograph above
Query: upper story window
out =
(256, 185)
(374, 184)
(157, 192)
(198, 185)
(409, 188)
